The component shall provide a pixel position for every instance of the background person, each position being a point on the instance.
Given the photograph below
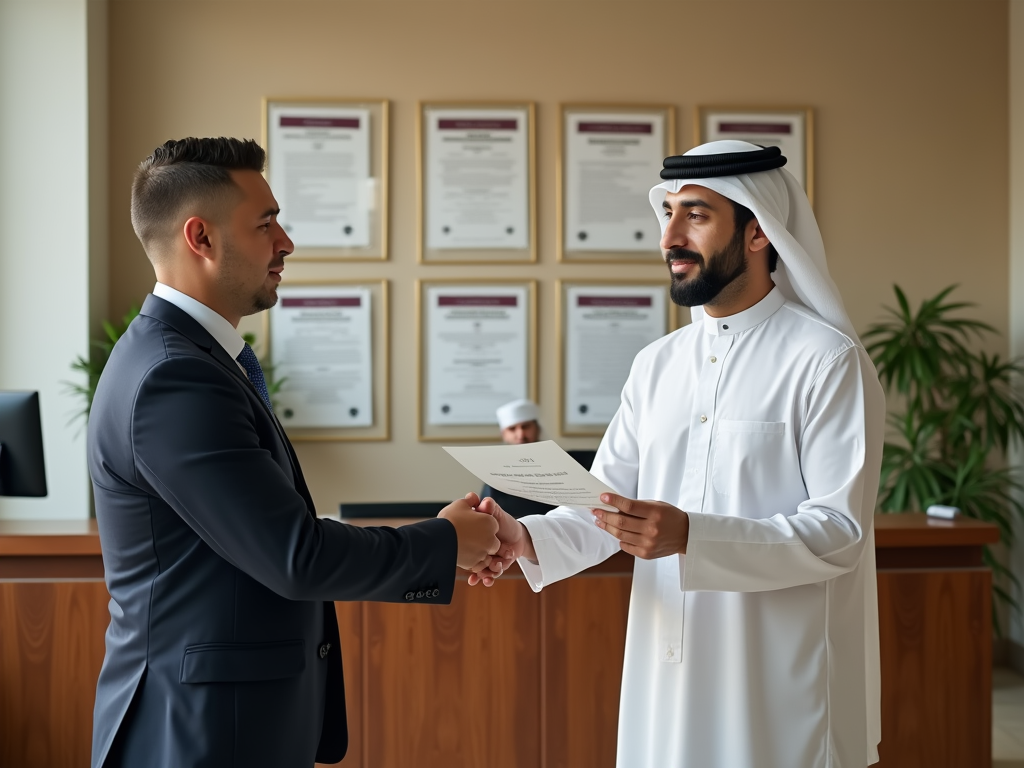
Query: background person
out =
(519, 422)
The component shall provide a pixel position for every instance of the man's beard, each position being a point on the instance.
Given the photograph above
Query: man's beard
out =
(720, 270)
(264, 298)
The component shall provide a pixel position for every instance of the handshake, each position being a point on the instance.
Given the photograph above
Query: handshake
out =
(490, 539)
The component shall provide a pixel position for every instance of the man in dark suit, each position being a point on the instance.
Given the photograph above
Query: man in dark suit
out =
(223, 644)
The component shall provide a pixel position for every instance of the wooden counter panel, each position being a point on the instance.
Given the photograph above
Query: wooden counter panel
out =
(424, 684)
(51, 649)
(51, 568)
(584, 639)
(936, 653)
(454, 686)
(49, 537)
(916, 529)
(929, 557)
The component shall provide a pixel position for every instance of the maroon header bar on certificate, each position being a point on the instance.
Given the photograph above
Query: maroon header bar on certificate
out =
(613, 301)
(615, 128)
(327, 301)
(320, 122)
(449, 124)
(477, 301)
(755, 128)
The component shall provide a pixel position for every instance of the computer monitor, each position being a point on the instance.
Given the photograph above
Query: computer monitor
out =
(22, 471)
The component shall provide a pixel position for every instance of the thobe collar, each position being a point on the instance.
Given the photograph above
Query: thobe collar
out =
(747, 319)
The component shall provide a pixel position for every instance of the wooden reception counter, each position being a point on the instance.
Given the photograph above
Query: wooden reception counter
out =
(504, 677)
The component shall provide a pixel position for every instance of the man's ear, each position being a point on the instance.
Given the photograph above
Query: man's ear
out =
(198, 235)
(757, 240)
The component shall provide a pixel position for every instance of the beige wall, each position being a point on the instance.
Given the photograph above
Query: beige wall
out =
(911, 110)
(52, 215)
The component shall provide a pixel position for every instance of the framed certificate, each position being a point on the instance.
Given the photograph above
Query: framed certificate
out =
(476, 183)
(602, 326)
(327, 164)
(477, 351)
(791, 129)
(609, 158)
(328, 344)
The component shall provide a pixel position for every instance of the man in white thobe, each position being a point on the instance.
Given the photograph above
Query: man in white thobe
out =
(756, 435)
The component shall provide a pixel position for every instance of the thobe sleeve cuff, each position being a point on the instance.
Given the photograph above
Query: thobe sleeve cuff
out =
(732, 554)
(693, 542)
(566, 541)
(542, 545)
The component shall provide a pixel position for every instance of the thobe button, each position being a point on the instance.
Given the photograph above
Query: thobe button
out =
(669, 653)
(410, 595)
(703, 419)
(324, 649)
(714, 359)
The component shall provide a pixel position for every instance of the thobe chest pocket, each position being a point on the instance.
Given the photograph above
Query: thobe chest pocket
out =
(748, 454)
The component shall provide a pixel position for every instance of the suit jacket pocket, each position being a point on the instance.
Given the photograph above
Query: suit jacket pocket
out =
(242, 662)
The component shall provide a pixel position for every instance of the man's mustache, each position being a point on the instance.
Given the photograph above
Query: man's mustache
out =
(683, 254)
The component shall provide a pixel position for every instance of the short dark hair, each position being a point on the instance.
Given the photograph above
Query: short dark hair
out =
(743, 217)
(184, 172)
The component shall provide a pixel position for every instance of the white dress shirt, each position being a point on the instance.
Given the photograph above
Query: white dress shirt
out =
(759, 647)
(223, 332)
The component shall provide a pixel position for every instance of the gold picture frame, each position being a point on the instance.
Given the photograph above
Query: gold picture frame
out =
(380, 344)
(800, 121)
(472, 432)
(377, 111)
(475, 255)
(667, 112)
(672, 323)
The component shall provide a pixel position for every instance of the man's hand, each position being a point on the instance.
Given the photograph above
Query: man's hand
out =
(647, 529)
(476, 535)
(513, 535)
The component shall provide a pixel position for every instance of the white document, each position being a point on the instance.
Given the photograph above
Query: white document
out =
(477, 351)
(320, 341)
(477, 178)
(611, 163)
(785, 131)
(319, 169)
(605, 328)
(537, 471)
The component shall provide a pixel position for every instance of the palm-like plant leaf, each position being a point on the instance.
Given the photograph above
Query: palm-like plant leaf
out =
(93, 366)
(961, 414)
(911, 350)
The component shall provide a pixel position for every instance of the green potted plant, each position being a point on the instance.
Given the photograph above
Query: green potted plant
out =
(956, 414)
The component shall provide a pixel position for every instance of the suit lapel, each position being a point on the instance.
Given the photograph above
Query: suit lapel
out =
(189, 327)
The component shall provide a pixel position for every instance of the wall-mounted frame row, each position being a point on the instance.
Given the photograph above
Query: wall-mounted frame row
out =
(328, 343)
(476, 176)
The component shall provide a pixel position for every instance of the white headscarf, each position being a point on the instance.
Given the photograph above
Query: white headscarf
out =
(784, 213)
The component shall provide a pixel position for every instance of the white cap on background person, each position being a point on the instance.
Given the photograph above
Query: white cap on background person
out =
(517, 412)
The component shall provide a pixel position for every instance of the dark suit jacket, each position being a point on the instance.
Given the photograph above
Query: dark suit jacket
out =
(223, 647)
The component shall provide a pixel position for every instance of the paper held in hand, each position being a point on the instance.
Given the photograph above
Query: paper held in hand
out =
(536, 471)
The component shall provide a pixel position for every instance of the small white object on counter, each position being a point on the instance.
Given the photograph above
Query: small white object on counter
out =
(946, 513)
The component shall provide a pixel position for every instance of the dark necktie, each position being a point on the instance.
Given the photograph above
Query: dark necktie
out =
(247, 359)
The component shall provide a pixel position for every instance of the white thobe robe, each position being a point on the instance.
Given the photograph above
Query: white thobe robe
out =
(758, 648)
